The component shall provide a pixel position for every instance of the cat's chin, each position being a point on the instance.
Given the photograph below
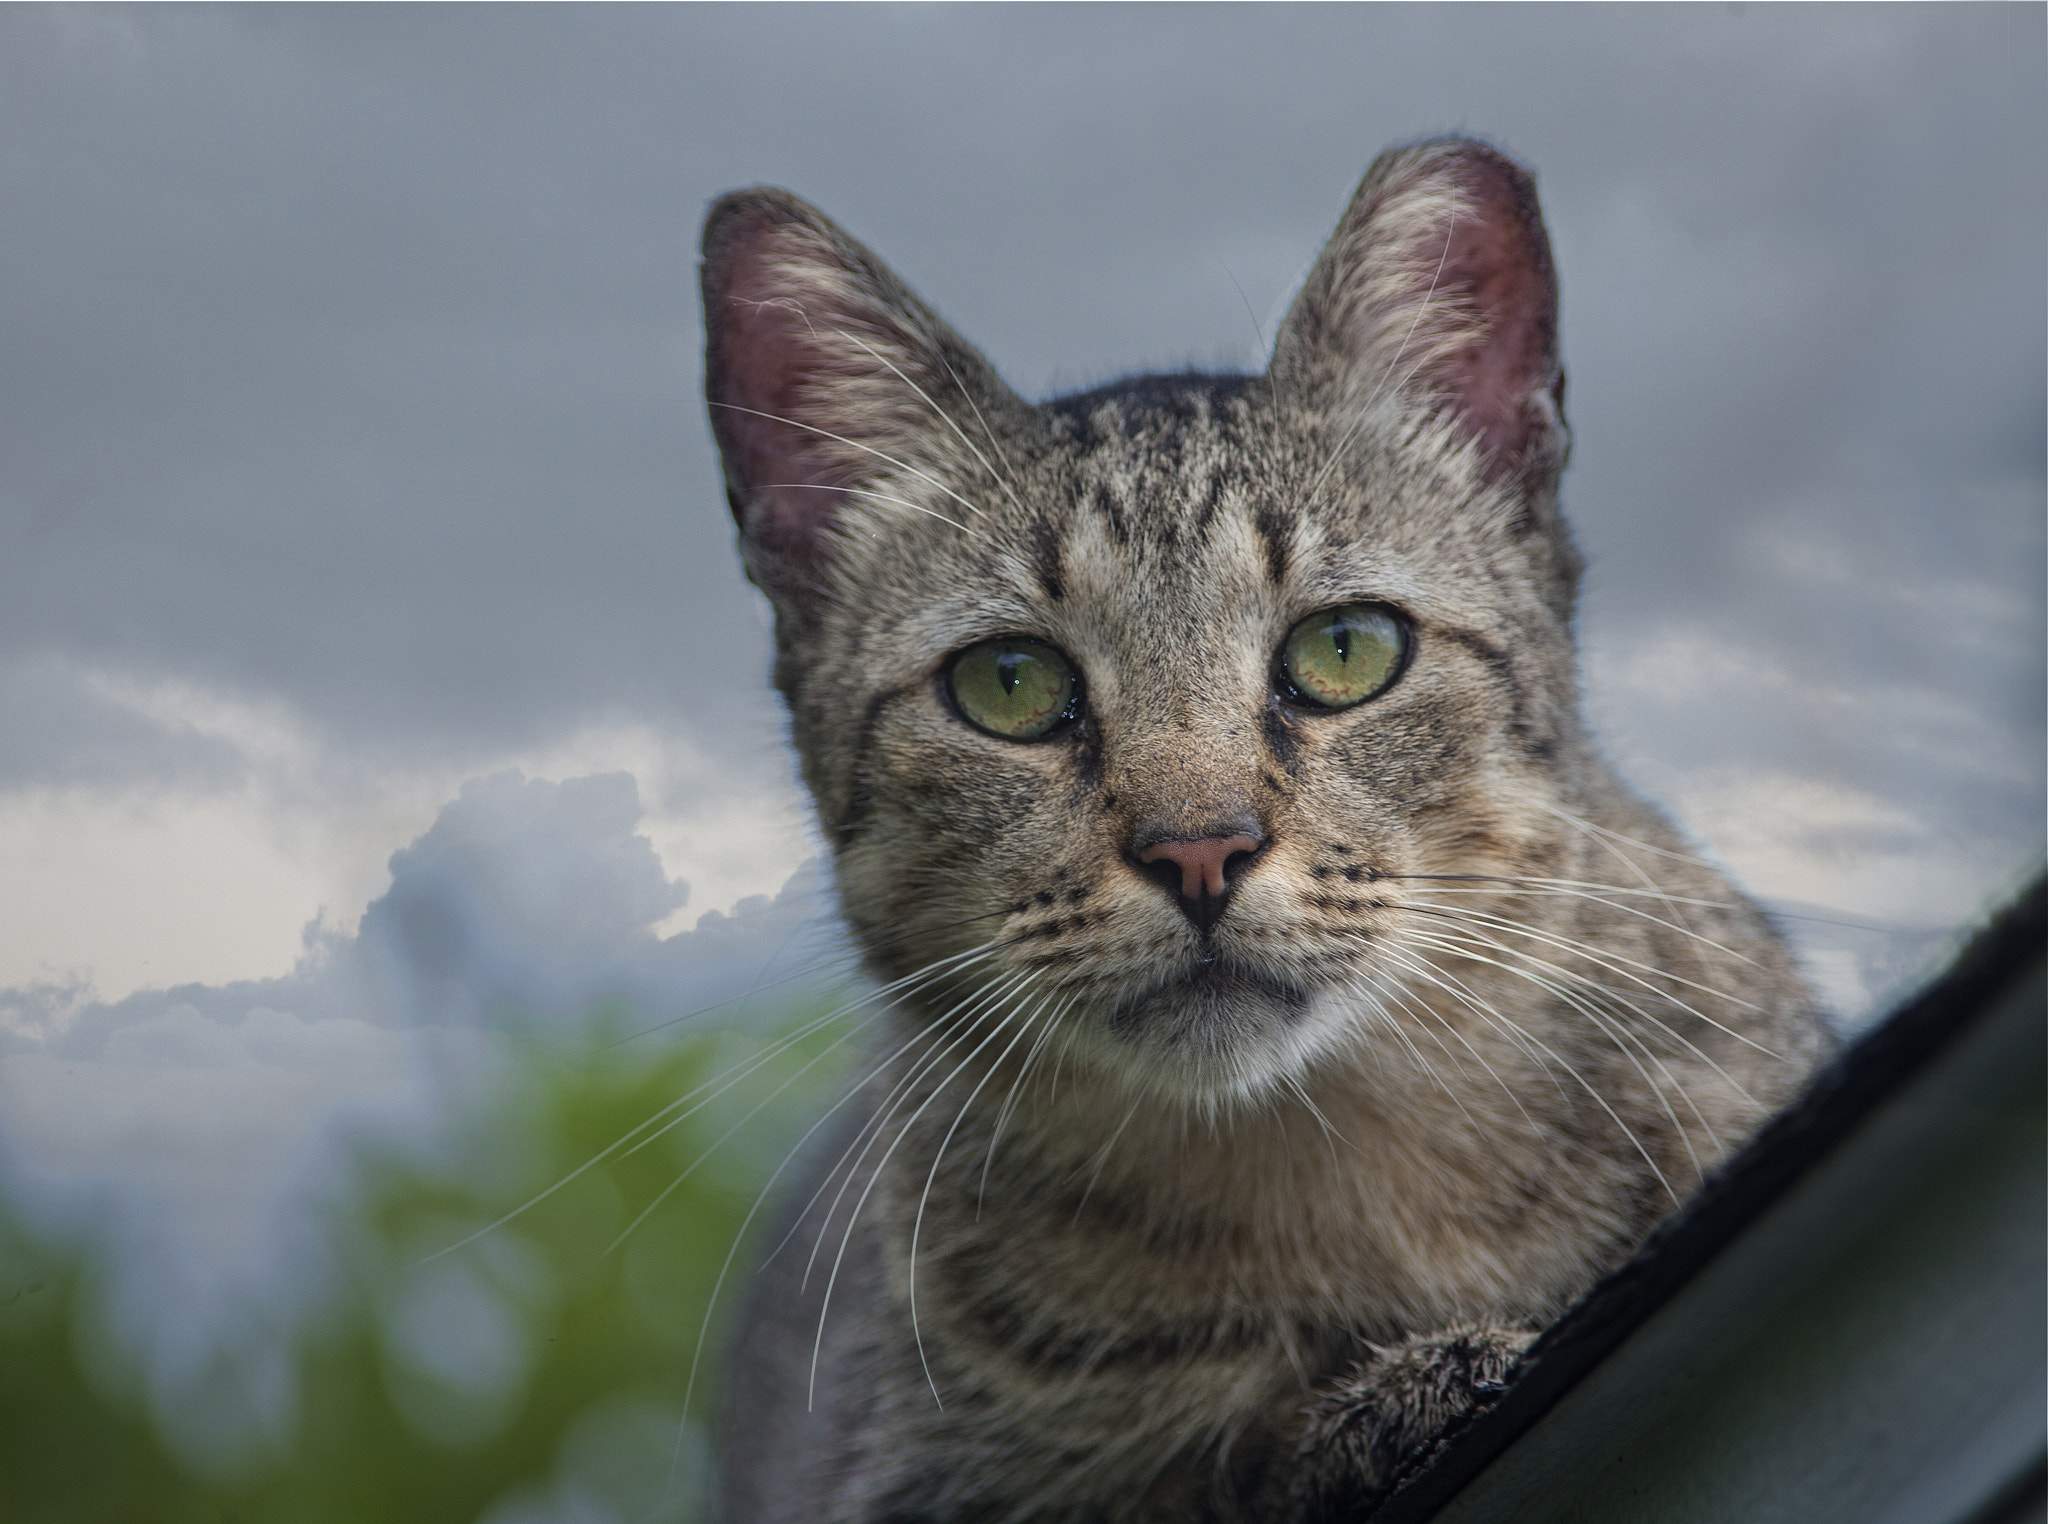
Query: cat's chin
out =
(1215, 1031)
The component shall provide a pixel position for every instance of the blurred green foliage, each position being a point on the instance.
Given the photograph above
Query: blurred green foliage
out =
(537, 1370)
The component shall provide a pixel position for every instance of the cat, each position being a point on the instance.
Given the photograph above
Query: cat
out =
(1288, 1010)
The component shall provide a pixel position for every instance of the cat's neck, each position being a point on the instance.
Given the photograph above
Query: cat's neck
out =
(1358, 1195)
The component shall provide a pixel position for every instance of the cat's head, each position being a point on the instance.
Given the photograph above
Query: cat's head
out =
(1134, 710)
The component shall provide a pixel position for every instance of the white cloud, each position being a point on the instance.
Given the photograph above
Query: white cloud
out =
(1877, 807)
(135, 888)
(526, 901)
(1824, 843)
(212, 875)
(1892, 796)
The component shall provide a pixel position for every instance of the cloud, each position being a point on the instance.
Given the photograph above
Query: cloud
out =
(189, 833)
(544, 896)
(527, 905)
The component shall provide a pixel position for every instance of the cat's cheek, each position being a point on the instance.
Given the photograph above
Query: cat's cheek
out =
(976, 828)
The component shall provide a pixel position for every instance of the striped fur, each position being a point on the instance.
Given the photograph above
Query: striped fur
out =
(1126, 1202)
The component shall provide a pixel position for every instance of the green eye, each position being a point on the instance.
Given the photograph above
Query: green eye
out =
(1017, 689)
(1343, 656)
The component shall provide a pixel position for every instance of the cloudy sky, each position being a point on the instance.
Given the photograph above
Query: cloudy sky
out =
(356, 497)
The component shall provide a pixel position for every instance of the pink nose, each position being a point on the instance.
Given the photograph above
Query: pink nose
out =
(1200, 862)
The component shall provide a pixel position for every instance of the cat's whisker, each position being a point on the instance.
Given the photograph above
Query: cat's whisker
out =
(712, 1090)
(854, 444)
(1630, 1004)
(839, 961)
(943, 416)
(874, 1177)
(1517, 879)
(1416, 963)
(987, 433)
(1558, 890)
(1617, 962)
(1331, 1136)
(1613, 963)
(1607, 834)
(1422, 969)
(1631, 969)
(929, 1034)
(938, 1037)
(1003, 1112)
(1641, 1013)
(1418, 1008)
(1487, 1011)
(727, 1136)
(762, 1196)
(939, 1157)
(886, 994)
(1611, 842)
(1615, 1031)
(908, 985)
(960, 1022)
(1386, 1022)
(1526, 963)
(956, 1025)
(1102, 1157)
(679, 1109)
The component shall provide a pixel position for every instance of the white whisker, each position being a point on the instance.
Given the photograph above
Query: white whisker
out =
(874, 1178)
(884, 457)
(1644, 1015)
(1614, 1030)
(938, 1158)
(1487, 1012)
(944, 416)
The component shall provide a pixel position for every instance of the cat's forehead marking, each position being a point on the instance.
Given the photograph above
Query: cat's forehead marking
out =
(1180, 497)
(1045, 560)
(1276, 537)
(1150, 468)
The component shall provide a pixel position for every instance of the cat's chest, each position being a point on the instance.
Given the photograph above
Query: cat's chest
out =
(1279, 1240)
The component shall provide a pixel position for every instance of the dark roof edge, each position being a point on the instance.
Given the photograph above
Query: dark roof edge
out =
(1848, 1090)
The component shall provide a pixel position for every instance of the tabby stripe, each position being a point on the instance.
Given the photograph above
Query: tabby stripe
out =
(1057, 1347)
(1501, 665)
(859, 800)
(1045, 560)
(1276, 530)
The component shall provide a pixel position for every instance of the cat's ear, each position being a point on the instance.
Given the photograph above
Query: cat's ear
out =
(833, 391)
(1437, 290)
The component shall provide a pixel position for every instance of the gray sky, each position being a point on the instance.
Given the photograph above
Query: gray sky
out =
(351, 451)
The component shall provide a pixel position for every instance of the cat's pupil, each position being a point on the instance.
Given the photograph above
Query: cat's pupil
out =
(1006, 671)
(1341, 639)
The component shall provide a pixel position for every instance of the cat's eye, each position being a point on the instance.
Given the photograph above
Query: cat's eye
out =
(1343, 656)
(1014, 688)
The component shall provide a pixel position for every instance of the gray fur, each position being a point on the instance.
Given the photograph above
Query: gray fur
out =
(1167, 1203)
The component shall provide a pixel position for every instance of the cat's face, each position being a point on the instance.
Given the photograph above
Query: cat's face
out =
(1143, 706)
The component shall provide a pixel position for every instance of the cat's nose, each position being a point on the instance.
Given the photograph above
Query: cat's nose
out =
(1200, 871)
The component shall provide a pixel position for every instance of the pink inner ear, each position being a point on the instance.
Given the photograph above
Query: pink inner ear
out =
(767, 362)
(1499, 261)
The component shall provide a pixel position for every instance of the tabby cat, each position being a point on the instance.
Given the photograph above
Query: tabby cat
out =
(1288, 1011)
